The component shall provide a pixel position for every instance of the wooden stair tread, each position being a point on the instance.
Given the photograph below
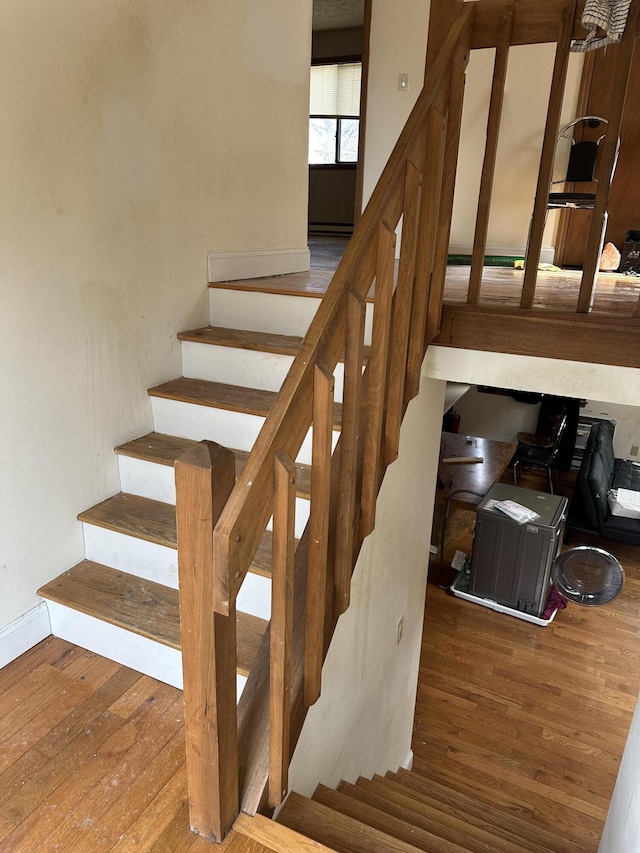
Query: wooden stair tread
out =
(142, 518)
(243, 339)
(338, 831)
(313, 283)
(255, 341)
(457, 824)
(144, 607)
(155, 521)
(219, 395)
(402, 828)
(276, 836)
(441, 795)
(165, 449)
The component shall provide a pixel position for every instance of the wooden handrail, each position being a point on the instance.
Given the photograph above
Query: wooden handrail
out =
(417, 187)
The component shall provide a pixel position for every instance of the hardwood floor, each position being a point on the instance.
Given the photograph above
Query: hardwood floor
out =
(533, 719)
(501, 286)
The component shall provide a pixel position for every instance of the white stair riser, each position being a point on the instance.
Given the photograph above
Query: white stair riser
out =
(147, 479)
(261, 312)
(155, 481)
(235, 366)
(268, 312)
(140, 653)
(159, 564)
(138, 557)
(231, 429)
(249, 368)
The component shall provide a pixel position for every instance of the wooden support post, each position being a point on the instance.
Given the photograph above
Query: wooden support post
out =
(402, 312)
(281, 626)
(490, 152)
(608, 162)
(377, 376)
(323, 392)
(545, 174)
(429, 213)
(205, 476)
(349, 442)
(445, 211)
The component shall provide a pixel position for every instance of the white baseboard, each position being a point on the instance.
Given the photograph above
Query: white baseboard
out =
(546, 255)
(407, 764)
(232, 266)
(24, 633)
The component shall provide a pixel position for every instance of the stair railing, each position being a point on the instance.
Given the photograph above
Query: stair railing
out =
(218, 537)
(234, 752)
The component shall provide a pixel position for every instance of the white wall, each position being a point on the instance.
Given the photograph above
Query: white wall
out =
(363, 721)
(622, 828)
(134, 138)
(564, 378)
(398, 44)
(627, 433)
(495, 416)
(523, 119)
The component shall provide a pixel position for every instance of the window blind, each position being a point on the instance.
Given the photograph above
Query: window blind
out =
(335, 89)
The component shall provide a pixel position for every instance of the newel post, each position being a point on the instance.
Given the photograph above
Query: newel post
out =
(205, 476)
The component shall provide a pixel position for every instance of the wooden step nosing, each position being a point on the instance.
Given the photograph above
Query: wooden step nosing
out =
(254, 402)
(135, 449)
(61, 591)
(266, 342)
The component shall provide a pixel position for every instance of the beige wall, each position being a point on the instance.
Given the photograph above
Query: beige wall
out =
(398, 44)
(135, 137)
(363, 721)
(523, 120)
(602, 382)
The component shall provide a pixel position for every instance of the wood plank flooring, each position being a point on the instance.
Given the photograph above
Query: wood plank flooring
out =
(531, 719)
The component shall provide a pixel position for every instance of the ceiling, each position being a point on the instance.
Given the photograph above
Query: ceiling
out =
(337, 14)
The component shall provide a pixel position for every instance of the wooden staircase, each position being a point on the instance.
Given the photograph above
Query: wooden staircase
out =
(405, 812)
(122, 600)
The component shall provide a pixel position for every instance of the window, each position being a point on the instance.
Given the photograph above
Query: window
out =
(334, 110)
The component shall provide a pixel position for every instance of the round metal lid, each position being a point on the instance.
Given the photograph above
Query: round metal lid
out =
(588, 575)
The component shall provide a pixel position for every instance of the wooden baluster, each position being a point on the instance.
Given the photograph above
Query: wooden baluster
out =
(205, 475)
(545, 175)
(349, 441)
(490, 152)
(402, 312)
(429, 212)
(323, 392)
(377, 376)
(607, 162)
(448, 179)
(281, 626)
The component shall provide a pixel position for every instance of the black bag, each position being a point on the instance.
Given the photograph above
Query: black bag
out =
(630, 260)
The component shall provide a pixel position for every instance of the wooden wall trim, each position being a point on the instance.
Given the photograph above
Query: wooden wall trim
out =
(568, 337)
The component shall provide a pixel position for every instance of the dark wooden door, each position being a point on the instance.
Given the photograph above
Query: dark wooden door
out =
(624, 199)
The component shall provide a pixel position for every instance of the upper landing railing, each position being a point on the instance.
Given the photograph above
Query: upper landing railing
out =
(233, 752)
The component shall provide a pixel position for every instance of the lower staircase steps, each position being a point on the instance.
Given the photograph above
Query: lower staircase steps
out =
(340, 832)
(146, 608)
(455, 801)
(407, 812)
